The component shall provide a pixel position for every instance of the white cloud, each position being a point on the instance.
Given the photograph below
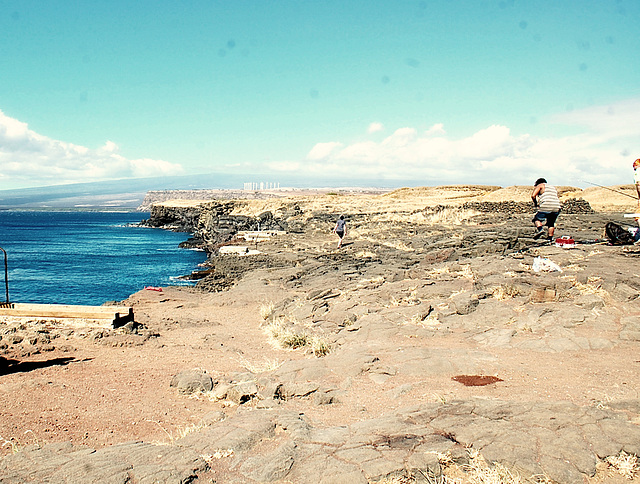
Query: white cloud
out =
(322, 150)
(30, 159)
(597, 144)
(436, 129)
(375, 127)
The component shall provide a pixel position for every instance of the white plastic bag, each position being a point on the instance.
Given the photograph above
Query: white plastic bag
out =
(542, 264)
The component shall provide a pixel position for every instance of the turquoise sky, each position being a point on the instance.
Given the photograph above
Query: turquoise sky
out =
(496, 92)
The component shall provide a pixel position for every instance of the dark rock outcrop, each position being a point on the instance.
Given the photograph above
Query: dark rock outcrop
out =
(570, 206)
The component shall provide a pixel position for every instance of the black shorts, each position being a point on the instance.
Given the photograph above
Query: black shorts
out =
(550, 217)
(340, 233)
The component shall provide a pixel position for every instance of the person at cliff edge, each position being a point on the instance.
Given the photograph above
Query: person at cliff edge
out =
(545, 198)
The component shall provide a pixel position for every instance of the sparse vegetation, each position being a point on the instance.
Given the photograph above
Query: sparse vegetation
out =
(180, 433)
(266, 310)
(217, 455)
(287, 336)
(450, 216)
(371, 283)
(477, 471)
(592, 286)
(502, 293)
(10, 443)
(624, 464)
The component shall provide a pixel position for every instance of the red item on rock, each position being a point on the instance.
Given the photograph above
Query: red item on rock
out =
(565, 243)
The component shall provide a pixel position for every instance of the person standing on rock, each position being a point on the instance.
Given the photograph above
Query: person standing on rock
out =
(340, 229)
(545, 198)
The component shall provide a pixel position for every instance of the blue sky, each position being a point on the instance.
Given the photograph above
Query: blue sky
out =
(494, 92)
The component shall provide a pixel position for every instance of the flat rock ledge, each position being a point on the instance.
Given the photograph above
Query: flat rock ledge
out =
(560, 442)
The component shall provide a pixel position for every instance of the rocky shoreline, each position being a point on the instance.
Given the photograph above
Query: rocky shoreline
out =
(426, 348)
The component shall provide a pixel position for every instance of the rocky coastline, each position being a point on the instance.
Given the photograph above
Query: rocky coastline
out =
(428, 348)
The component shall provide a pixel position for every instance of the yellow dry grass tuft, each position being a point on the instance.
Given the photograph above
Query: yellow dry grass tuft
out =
(593, 286)
(481, 472)
(266, 310)
(625, 464)
(287, 336)
(502, 293)
(217, 455)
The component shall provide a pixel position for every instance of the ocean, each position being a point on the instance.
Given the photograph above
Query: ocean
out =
(85, 257)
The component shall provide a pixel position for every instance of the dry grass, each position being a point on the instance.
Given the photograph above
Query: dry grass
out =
(593, 286)
(217, 455)
(464, 272)
(477, 471)
(180, 432)
(482, 473)
(502, 293)
(624, 464)
(410, 300)
(266, 310)
(287, 336)
(450, 216)
(371, 283)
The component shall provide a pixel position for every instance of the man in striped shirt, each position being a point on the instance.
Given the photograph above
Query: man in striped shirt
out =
(545, 198)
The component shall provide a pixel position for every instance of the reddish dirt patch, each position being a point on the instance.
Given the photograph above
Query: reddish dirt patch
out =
(476, 380)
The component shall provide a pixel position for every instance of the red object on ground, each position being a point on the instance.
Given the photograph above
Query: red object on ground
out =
(565, 243)
(153, 288)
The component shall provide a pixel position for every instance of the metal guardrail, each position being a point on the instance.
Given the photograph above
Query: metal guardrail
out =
(7, 303)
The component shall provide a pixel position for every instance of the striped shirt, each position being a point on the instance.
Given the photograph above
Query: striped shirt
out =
(548, 200)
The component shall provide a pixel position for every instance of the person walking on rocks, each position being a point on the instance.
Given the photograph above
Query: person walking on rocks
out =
(340, 229)
(545, 199)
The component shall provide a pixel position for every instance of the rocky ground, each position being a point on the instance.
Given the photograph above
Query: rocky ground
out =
(427, 349)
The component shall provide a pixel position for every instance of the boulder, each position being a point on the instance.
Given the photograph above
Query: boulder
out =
(192, 381)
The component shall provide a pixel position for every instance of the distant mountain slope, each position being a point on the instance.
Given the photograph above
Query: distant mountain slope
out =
(129, 194)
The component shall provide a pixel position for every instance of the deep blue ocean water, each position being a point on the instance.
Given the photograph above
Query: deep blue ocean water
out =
(84, 257)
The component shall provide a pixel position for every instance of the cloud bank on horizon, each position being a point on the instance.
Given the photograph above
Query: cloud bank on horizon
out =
(599, 150)
(28, 158)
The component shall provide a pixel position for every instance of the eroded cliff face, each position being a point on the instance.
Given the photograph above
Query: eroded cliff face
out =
(211, 223)
(179, 219)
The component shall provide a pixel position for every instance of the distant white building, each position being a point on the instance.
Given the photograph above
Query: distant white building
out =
(254, 186)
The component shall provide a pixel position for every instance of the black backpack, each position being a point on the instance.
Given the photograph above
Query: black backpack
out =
(617, 234)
